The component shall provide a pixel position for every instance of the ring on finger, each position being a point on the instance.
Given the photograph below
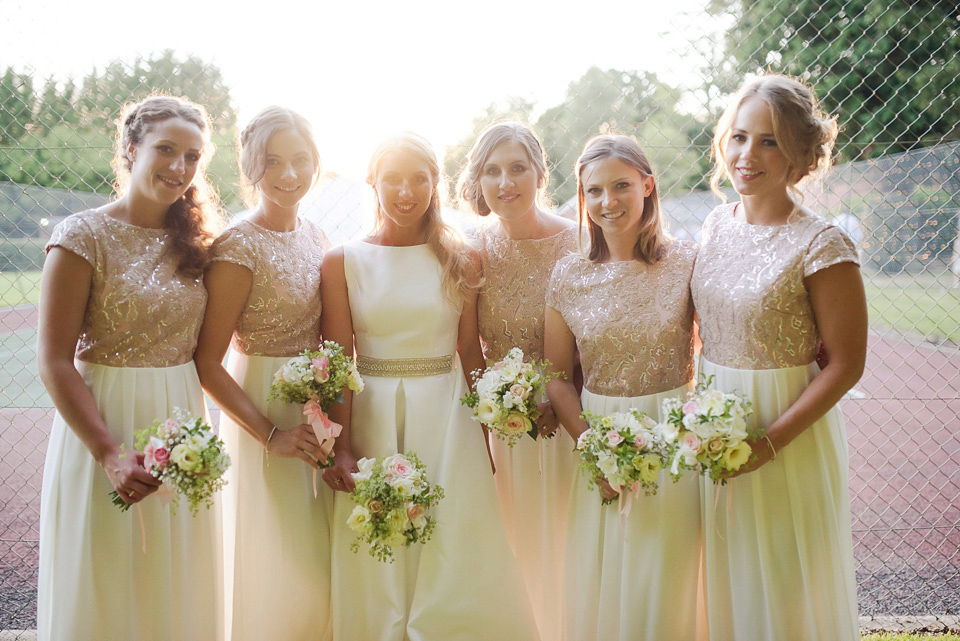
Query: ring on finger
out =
(132, 493)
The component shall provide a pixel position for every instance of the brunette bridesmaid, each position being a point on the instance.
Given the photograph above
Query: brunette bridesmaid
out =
(121, 304)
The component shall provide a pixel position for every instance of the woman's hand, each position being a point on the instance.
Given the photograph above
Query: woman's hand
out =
(340, 475)
(547, 424)
(128, 476)
(607, 493)
(300, 442)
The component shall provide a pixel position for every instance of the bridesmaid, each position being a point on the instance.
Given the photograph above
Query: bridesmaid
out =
(404, 296)
(506, 174)
(771, 280)
(626, 306)
(264, 287)
(121, 303)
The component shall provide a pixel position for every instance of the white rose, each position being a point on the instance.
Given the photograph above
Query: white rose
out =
(365, 469)
(487, 411)
(606, 463)
(359, 519)
(354, 382)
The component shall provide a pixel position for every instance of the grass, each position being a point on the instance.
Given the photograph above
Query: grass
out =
(928, 311)
(18, 288)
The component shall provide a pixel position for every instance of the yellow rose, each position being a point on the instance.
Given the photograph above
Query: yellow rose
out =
(185, 457)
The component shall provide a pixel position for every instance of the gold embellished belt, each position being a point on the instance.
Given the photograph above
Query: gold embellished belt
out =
(398, 367)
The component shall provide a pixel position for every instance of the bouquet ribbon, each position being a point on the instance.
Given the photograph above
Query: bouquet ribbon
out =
(166, 495)
(326, 430)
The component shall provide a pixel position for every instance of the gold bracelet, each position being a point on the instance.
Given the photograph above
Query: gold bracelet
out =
(770, 444)
(266, 445)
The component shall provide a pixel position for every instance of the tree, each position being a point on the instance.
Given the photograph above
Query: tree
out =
(889, 70)
(627, 102)
(455, 157)
(17, 100)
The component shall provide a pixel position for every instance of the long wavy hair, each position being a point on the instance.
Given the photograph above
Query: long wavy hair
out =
(804, 134)
(193, 220)
(252, 147)
(652, 237)
(444, 240)
(468, 187)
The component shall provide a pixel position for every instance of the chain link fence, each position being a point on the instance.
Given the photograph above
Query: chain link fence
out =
(888, 69)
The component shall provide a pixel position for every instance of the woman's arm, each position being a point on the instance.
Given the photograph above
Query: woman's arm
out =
(228, 286)
(840, 307)
(336, 324)
(64, 291)
(468, 331)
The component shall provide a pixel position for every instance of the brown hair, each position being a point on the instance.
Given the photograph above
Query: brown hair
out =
(468, 187)
(652, 238)
(253, 140)
(193, 219)
(803, 132)
(443, 239)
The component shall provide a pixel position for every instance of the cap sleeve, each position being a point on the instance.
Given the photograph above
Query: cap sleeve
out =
(75, 234)
(235, 246)
(829, 247)
(554, 296)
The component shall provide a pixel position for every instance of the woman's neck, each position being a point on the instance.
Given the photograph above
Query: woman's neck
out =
(275, 218)
(766, 209)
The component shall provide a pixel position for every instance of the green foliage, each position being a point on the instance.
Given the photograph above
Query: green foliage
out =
(604, 101)
(16, 106)
(889, 70)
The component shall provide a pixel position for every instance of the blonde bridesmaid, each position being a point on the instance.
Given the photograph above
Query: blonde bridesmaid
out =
(264, 287)
(506, 175)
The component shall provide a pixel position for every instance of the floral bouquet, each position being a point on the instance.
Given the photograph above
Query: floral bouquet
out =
(707, 432)
(506, 396)
(186, 455)
(392, 496)
(316, 379)
(625, 448)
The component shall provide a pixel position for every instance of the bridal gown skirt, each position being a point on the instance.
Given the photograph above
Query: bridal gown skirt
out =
(533, 482)
(635, 577)
(779, 551)
(96, 581)
(276, 534)
(462, 584)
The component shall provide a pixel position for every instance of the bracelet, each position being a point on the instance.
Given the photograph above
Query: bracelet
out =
(770, 444)
(266, 445)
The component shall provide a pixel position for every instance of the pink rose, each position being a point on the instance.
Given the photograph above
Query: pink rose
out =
(519, 391)
(398, 467)
(715, 446)
(499, 365)
(415, 511)
(691, 442)
(375, 506)
(321, 369)
(517, 423)
(640, 440)
(691, 407)
(613, 438)
(155, 455)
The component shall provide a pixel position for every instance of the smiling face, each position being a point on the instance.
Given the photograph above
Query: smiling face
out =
(166, 160)
(613, 196)
(289, 169)
(754, 160)
(509, 181)
(404, 187)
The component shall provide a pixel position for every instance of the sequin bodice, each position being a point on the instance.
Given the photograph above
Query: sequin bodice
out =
(282, 314)
(633, 322)
(749, 291)
(140, 312)
(511, 303)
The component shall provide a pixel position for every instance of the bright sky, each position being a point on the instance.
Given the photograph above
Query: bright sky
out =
(364, 68)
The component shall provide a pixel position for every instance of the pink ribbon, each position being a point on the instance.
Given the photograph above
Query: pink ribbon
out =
(326, 430)
(166, 495)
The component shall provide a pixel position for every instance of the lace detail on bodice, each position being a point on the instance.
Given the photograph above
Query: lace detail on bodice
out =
(510, 307)
(748, 287)
(140, 312)
(282, 313)
(633, 322)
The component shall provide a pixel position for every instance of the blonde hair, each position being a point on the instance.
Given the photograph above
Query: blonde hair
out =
(252, 145)
(194, 218)
(804, 134)
(446, 243)
(652, 238)
(468, 187)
